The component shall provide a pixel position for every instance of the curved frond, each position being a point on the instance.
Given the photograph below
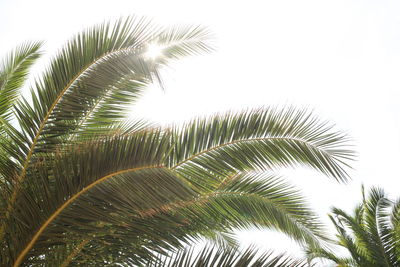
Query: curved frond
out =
(259, 140)
(72, 175)
(225, 239)
(248, 200)
(328, 255)
(176, 42)
(369, 235)
(14, 71)
(214, 256)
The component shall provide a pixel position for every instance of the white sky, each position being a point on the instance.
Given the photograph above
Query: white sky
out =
(341, 58)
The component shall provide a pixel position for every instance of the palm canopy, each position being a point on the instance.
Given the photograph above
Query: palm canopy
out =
(371, 235)
(80, 185)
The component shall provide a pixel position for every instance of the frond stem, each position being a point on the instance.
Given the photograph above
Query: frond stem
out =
(75, 252)
(241, 141)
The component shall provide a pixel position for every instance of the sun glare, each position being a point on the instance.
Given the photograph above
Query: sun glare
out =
(154, 51)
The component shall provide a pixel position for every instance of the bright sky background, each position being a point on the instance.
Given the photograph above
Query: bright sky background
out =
(340, 58)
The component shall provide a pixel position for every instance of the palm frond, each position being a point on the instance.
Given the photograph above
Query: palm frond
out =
(54, 189)
(377, 211)
(13, 73)
(359, 242)
(150, 209)
(249, 200)
(369, 235)
(259, 140)
(395, 220)
(314, 253)
(214, 256)
(82, 72)
(225, 239)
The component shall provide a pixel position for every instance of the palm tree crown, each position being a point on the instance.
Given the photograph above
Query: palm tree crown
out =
(371, 236)
(81, 185)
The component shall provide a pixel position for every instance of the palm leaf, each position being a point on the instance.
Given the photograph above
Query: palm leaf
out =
(374, 220)
(13, 73)
(369, 235)
(214, 256)
(258, 140)
(54, 189)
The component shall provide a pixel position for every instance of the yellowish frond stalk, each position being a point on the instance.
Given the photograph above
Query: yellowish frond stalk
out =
(55, 214)
(75, 252)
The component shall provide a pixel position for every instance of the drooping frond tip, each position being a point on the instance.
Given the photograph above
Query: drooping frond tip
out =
(262, 139)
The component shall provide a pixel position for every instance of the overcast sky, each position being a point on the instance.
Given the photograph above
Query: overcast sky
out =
(340, 58)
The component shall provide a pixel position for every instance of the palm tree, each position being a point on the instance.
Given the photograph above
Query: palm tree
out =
(371, 236)
(81, 185)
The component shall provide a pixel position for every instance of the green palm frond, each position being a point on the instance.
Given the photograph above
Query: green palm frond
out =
(82, 72)
(176, 42)
(330, 256)
(14, 71)
(358, 244)
(214, 256)
(259, 140)
(223, 239)
(72, 174)
(395, 221)
(150, 207)
(370, 236)
(249, 200)
(180, 41)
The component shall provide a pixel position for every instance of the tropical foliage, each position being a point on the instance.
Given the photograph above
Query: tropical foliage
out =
(82, 185)
(225, 257)
(371, 235)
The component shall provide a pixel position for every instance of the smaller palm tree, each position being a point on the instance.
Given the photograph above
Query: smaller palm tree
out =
(371, 235)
